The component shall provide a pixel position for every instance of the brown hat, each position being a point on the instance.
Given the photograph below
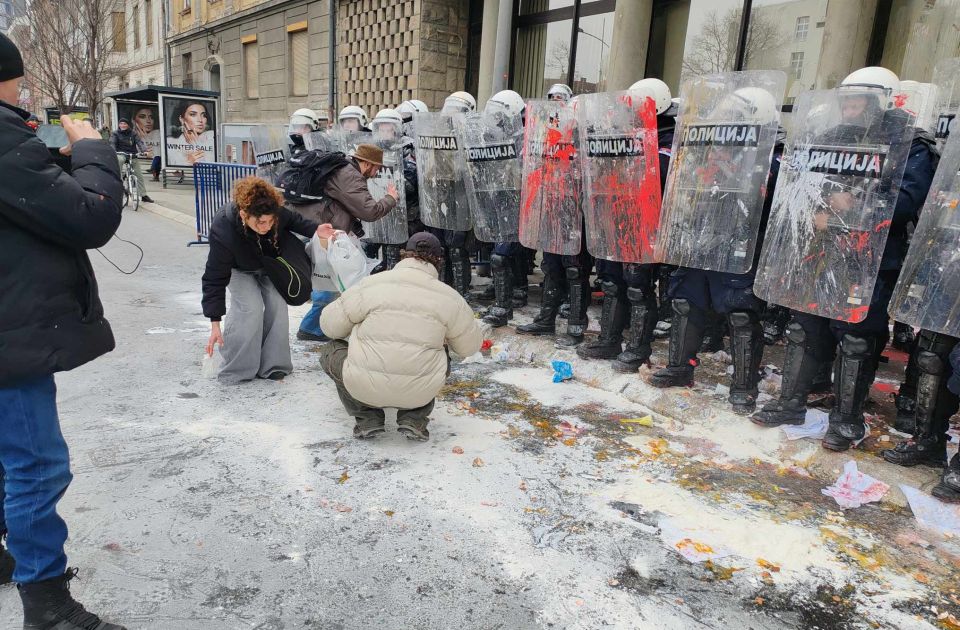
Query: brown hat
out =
(369, 153)
(425, 243)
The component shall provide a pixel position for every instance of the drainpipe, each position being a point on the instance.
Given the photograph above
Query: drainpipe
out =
(332, 62)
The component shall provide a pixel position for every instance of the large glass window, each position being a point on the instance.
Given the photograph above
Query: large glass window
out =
(542, 58)
(528, 7)
(594, 35)
(919, 35)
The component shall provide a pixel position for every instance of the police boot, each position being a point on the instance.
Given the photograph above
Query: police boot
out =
(460, 269)
(935, 405)
(823, 379)
(643, 319)
(948, 490)
(686, 335)
(502, 310)
(713, 334)
(613, 319)
(799, 368)
(577, 318)
(906, 399)
(7, 565)
(746, 346)
(391, 256)
(903, 337)
(519, 262)
(853, 375)
(545, 323)
(48, 605)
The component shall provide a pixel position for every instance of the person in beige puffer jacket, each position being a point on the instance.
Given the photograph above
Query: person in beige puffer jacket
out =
(400, 323)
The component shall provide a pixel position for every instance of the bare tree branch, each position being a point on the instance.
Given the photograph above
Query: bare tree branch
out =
(715, 48)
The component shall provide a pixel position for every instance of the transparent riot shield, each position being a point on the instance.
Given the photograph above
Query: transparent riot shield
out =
(492, 145)
(928, 291)
(391, 229)
(722, 150)
(271, 147)
(946, 76)
(550, 214)
(441, 172)
(322, 141)
(838, 185)
(621, 175)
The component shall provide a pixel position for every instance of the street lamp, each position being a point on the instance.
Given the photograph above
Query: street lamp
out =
(603, 43)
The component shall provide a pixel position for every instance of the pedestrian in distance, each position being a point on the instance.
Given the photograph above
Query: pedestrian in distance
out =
(400, 323)
(51, 320)
(256, 342)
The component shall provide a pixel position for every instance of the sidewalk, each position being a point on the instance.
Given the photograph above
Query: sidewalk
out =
(177, 203)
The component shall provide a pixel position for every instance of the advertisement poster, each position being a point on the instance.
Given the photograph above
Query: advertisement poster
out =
(145, 120)
(190, 128)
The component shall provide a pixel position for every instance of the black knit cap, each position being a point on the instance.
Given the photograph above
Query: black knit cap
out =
(11, 63)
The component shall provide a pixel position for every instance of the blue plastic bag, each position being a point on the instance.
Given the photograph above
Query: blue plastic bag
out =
(562, 371)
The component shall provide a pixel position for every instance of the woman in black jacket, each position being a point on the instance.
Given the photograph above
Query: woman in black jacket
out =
(256, 342)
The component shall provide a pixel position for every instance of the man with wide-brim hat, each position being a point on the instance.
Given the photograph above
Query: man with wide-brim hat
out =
(347, 200)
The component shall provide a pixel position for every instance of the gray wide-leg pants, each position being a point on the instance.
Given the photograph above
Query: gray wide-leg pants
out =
(256, 334)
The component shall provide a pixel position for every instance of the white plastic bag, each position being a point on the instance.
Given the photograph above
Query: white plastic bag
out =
(322, 277)
(347, 260)
(211, 364)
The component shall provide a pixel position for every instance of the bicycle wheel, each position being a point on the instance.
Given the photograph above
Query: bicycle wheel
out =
(135, 192)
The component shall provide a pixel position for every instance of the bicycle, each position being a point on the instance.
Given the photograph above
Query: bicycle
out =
(131, 190)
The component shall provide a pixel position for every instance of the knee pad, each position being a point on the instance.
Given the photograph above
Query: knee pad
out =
(681, 307)
(930, 363)
(742, 319)
(499, 262)
(795, 333)
(638, 294)
(855, 347)
(610, 289)
(573, 274)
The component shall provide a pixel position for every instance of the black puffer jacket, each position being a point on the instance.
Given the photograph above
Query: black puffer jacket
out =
(51, 318)
(233, 246)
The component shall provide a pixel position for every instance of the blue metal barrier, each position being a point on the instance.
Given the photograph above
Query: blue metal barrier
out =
(214, 183)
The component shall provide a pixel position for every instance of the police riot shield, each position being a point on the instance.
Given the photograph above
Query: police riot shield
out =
(441, 172)
(946, 76)
(492, 144)
(839, 181)
(322, 141)
(928, 291)
(722, 151)
(550, 213)
(621, 175)
(271, 148)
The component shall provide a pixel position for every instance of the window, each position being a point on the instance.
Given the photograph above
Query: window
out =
(803, 26)
(251, 66)
(148, 20)
(135, 22)
(796, 65)
(119, 32)
(299, 55)
(542, 58)
(186, 67)
(187, 5)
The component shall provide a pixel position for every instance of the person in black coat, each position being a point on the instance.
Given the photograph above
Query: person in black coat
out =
(256, 343)
(51, 320)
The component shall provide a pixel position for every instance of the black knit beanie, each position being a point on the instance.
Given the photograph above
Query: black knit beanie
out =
(11, 63)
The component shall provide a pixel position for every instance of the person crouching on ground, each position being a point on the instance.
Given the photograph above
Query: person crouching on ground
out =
(400, 323)
(256, 342)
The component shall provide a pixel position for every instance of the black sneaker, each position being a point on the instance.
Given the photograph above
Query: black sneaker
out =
(414, 432)
(147, 199)
(303, 335)
(367, 431)
(48, 605)
(276, 376)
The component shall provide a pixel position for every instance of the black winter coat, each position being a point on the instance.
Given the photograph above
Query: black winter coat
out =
(233, 246)
(51, 318)
(127, 142)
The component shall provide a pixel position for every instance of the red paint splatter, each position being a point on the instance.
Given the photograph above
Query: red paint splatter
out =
(857, 314)
(882, 226)
(812, 306)
(858, 241)
(899, 100)
(884, 388)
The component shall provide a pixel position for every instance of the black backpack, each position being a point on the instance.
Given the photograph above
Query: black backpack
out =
(307, 173)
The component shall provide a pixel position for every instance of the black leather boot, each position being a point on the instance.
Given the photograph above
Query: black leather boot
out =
(948, 490)
(746, 346)
(613, 319)
(855, 368)
(545, 323)
(643, 320)
(935, 405)
(502, 310)
(579, 300)
(686, 336)
(48, 605)
(799, 369)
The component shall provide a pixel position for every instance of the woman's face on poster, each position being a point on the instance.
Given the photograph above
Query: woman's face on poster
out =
(144, 121)
(194, 118)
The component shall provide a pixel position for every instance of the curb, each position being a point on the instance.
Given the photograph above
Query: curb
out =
(173, 215)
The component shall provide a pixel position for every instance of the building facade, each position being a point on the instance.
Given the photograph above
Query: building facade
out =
(139, 43)
(269, 57)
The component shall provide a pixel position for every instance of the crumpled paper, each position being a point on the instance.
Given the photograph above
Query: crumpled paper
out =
(932, 513)
(562, 371)
(814, 426)
(853, 488)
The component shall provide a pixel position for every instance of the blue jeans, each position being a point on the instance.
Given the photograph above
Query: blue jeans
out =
(36, 466)
(311, 321)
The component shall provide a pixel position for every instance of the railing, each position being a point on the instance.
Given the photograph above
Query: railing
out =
(214, 183)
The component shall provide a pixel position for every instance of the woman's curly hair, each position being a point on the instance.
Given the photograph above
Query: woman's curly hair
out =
(256, 196)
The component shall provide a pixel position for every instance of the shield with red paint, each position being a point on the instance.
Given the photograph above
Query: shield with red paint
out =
(722, 151)
(492, 143)
(839, 181)
(928, 292)
(621, 175)
(550, 216)
(441, 172)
